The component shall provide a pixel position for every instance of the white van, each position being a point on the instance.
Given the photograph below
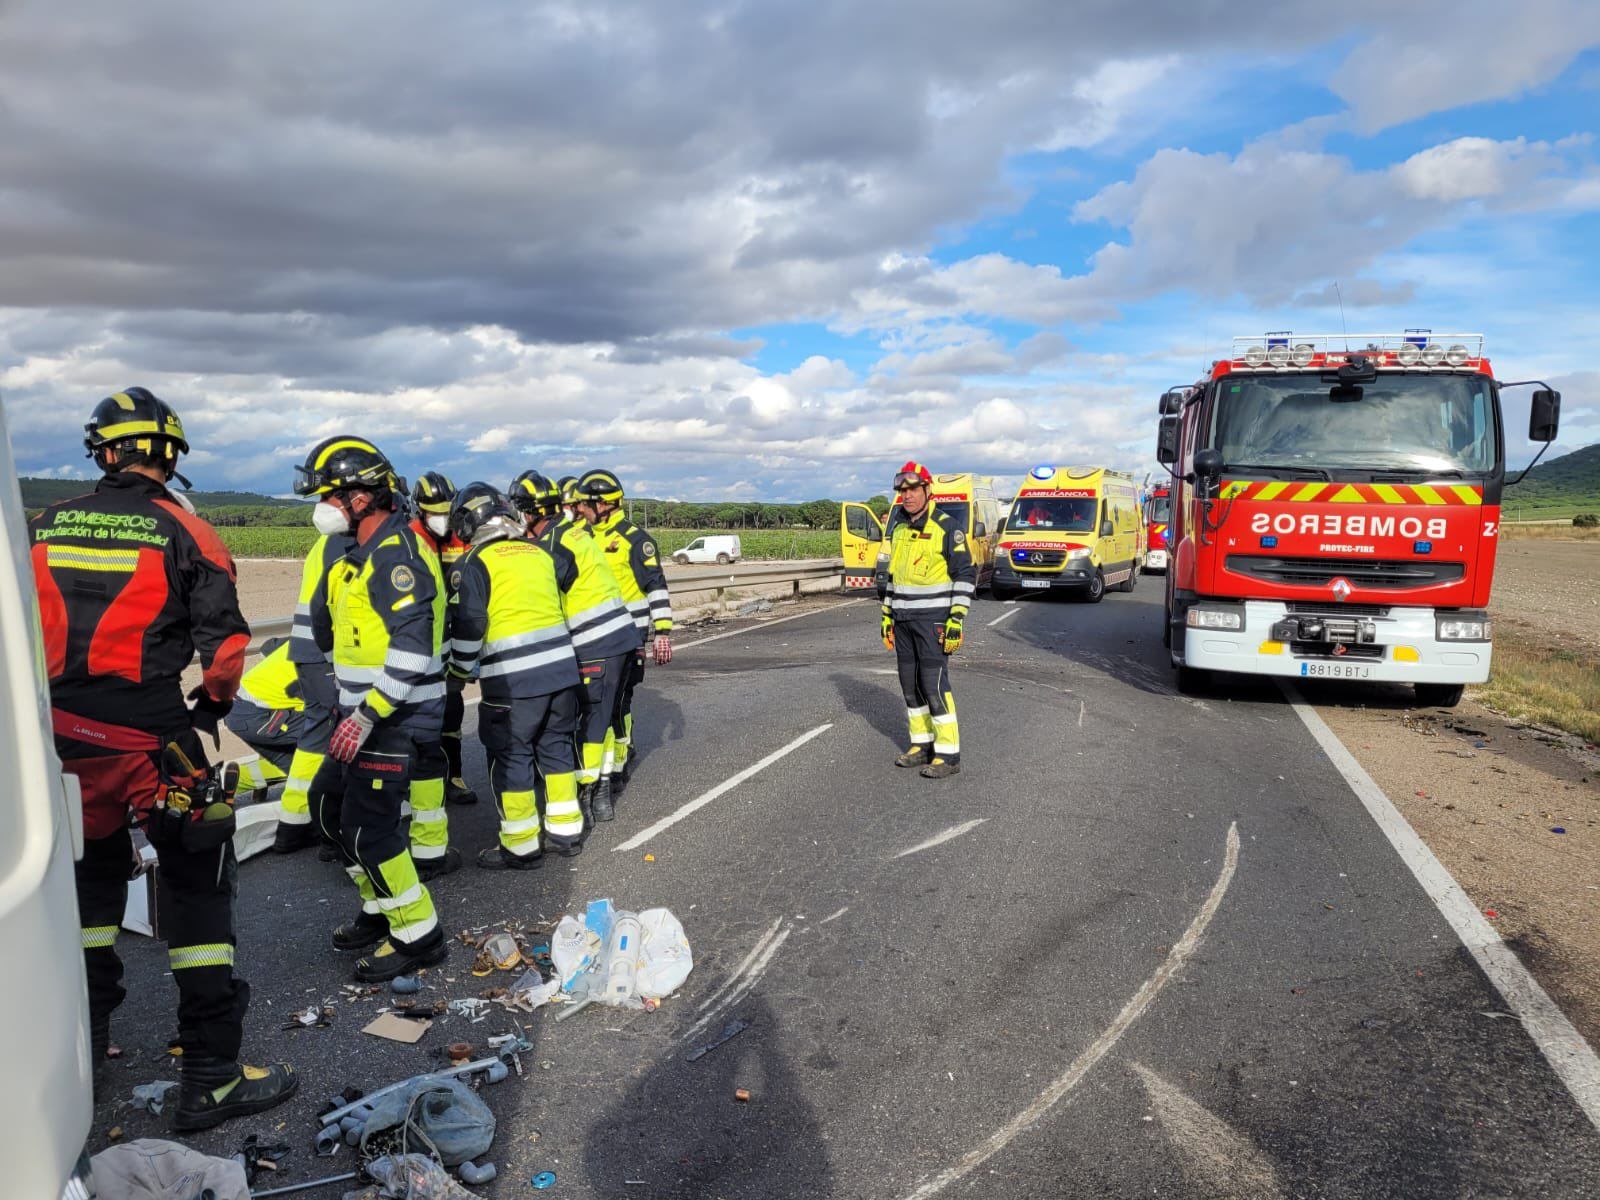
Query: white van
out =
(713, 547)
(45, 1006)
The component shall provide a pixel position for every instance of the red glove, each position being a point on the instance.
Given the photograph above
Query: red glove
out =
(662, 649)
(350, 736)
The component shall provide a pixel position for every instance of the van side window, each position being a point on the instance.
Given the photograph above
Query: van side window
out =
(857, 522)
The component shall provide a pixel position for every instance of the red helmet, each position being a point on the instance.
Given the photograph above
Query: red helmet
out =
(910, 475)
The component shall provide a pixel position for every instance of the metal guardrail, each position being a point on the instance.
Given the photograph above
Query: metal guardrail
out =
(690, 581)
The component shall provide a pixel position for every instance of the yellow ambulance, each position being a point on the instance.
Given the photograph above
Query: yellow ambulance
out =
(1071, 529)
(864, 539)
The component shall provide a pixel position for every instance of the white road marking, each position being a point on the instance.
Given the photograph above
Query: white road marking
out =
(1569, 1055)
(717, 637)
(752, 976)
(738, 972)
(728, 785)
(1082, 707)
(835, 916)
(1135, 1008)
(1224, 1162)
(940, 839)
(1010, 612)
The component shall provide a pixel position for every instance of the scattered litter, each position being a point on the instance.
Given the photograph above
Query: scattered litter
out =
(471, 1007)
(751, 607)
(459, 1052)
(152, 1169)
(114, 1134)
(414, 1177)
(1490, 913)
(1557, 829)
(742, 1095)
(729, 1031)
(503, 951)
(443, 1114)
(472, 1172)
(396, 1028)
(405, 985)
(544, 1180)
(619, 958)
(113, 1051)
(649, 858)
(152, 1097)
(530, 991)
(311, 1018)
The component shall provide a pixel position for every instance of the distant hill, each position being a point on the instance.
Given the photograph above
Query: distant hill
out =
(1571, 482)
(37, 493)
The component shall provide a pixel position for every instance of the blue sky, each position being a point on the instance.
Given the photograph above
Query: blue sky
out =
(744, 252)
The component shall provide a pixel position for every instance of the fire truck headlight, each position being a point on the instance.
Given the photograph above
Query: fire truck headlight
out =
(1214, 618)
(1304, 353)
(1255, 356)
(1433, 355)
(1456, 356)
(1278, 356)
(1408, 355)
(1464, 629)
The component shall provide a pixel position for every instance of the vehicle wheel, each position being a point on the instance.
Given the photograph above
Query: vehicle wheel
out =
(681, 559)
(1096, 591)
(1166, 627)
(1133, 577)
(722, 559)
(1192, 680)
(1439, 695)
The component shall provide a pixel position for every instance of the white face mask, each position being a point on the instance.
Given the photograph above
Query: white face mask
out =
(438, 525)
(183, 501)
(330, 519)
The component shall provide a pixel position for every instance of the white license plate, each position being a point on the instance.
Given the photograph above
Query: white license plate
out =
(1336, 670)
(1035, 583)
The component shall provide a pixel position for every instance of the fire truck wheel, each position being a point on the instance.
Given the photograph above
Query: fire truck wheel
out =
(1096, 591)
(1439, 695)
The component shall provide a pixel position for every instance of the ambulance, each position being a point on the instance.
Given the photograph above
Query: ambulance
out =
(1070, 529)
(864, 539)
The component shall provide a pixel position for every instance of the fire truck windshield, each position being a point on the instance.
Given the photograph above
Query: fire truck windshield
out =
(1053, 512)
(1160, 509)
(1439, 424)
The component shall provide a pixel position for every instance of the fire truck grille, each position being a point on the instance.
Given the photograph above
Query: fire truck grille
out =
(1361, 572)
(1368, 653)
(1342, 610)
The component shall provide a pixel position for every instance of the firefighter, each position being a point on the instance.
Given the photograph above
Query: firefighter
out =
(319, 693)
(131, 584)
(267, 715)
(931, 580)
(630, 552)
(509, 632)
(380, 618)
(603, 633)
(432, 496)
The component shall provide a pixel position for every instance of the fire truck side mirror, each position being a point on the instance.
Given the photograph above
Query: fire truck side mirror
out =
(1208, 465)
(1171, 402)
(1167, 442)
(1544, 417)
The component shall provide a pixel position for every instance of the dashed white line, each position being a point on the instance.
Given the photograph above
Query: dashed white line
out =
(834, 916)
(722, 788)
(940, 839)
(1569, 1055)
(1180, 954)
(1010, 612)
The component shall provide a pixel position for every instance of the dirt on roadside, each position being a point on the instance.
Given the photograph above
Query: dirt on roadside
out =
(1511, 810)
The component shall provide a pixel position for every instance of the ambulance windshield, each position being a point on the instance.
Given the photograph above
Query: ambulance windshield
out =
(1054, 513)
(1430, 424)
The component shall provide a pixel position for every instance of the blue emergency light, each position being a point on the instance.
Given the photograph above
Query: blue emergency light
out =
(1042, 472)
(1419, 337)
(1269, 543)
(1280, 338)
(1422, 547)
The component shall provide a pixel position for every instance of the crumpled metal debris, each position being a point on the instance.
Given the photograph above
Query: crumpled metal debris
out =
(152, 1097)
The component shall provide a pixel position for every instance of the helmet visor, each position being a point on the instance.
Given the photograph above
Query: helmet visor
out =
(311, 482)
(908, 479)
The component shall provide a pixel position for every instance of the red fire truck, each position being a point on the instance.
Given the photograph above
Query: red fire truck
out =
(1336, 510)
(1157, 520)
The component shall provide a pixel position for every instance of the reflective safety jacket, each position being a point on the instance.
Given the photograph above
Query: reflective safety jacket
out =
(507, 623)
(450, 550)
(273, 683)
(131, 585)
(931, 575)
(600, 623)
(381, 620)
(317, 686)
(630, 552)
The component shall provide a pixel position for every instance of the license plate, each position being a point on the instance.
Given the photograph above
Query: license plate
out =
(1035, 583)
(1336, 670)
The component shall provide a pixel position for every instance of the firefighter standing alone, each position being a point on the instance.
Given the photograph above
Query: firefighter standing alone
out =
(931, 581)
(131, 584)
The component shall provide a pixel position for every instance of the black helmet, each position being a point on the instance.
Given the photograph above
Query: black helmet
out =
(534, 495)
(433, 493)
(599, 485)
(138, 426)
(344, 462)
(481, 514)
(568, 484)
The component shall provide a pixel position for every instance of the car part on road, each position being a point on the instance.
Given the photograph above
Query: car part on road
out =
(729, 1031)
(476, 1173)
(307, 1186)
(544, 1180)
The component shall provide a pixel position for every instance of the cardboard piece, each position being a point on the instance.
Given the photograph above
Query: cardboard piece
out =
(397, 1029)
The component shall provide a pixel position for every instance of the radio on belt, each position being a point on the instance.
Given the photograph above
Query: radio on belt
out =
(1352, 630)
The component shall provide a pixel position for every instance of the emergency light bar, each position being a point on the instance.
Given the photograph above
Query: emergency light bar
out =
(1415, 349)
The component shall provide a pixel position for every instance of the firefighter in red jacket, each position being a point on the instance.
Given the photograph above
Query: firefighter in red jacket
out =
(131, 584)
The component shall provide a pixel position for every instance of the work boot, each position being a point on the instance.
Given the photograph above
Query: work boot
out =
(913, 757)
(290, 838)
(456, 791)
(432, 868)
(214, 1090)
(365, 932)
(328, 851)
(498, 858)
(940, 768)
(586, 804)
(619, 779)
(395, 958)
(568, 849)
(604, 808)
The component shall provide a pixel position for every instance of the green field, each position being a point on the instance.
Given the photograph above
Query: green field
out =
(266, 541)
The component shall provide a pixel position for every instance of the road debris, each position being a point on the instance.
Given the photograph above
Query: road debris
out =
(152, 1097)
(152, 1169)
(544, 1180)
(742, 1095)
(476, 1173)
(729, 1031)
(311, 1018)
(398, 1028)
(405, 985)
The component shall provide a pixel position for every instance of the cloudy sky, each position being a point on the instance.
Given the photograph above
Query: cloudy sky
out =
(761, 249)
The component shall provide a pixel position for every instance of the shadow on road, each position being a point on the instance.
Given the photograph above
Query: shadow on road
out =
(681, 1130)
(879, 704)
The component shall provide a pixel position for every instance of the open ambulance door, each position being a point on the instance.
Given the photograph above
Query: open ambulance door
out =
(860, 537)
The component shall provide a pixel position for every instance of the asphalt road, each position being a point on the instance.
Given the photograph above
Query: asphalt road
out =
(1169, 955)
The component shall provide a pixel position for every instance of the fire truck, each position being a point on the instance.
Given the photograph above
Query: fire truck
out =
(1335, 511)
(1157, 519)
